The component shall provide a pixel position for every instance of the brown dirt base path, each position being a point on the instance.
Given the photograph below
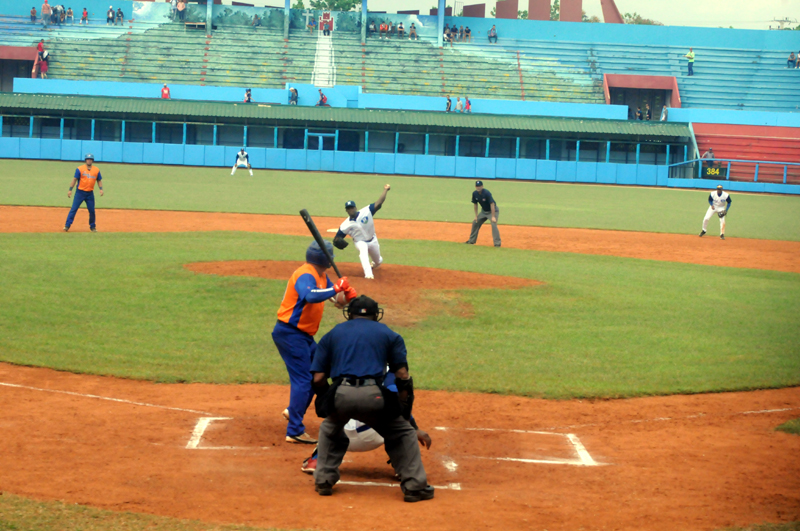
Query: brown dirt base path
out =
(734, 252)
(407, 293)
(698, 462)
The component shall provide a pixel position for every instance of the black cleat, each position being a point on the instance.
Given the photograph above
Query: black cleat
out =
(721, 236)
(469, 242)
(93, 229)
(66, 229)
(702, 233)
(324, 489)
(412, 496)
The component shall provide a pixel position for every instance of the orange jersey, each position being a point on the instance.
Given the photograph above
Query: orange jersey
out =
(87, 177)
(304, 300)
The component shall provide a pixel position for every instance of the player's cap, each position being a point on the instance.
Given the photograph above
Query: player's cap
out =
(349, 204)
(88, 156)
(478, 183)
(719, 187)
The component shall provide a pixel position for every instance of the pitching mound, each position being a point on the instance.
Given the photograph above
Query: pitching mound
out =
(407, 293)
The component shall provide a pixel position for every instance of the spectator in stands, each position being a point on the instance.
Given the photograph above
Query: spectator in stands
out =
(40, 49)
(664, 114)
(110, 16)
(384, 29)
(493, 34)
(311, 25)
(461, 34)
(165, 92)
(467, 34)
(84, 17)
(791, 63)
(33, 16)
(70, 16)
(292, 96)
(326, 28)
(120, 17)
(638, 113)
(43, 64)
(323, 100)
(401, 31)
(690, 57)
(798, 60)
(467, 105)
(448, 36)
(449, 105)
(648, 112)
(372, 28)
(248, 96)
(62, 15)
(47, 11)
(412, 32)
(174, 5)
(256, 21)
(181, 10)
(709, 156)
(459, 105)
(58, 13)
(390, 29)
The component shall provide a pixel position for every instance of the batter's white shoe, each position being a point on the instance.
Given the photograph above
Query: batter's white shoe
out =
(374, 265)
(303, 438)
(285, 414)
(369, 277)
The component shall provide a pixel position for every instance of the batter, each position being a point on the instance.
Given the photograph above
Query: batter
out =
(361, 227)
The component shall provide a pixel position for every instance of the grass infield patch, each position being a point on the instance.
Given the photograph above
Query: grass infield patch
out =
(123, 304)
(790, 526)
(793, 427)
(22, 514)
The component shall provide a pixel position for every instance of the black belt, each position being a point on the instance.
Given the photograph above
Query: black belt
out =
(359, 382)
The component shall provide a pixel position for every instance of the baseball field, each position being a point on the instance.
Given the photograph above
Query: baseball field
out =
(605, 368)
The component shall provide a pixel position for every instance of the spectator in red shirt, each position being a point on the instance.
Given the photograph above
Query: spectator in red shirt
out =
(165, 92)
(84, 17)
(40, 47)
(384, 30)
(323, 100)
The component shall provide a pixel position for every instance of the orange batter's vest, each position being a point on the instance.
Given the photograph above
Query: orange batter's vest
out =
(88, 177)
(296, 310)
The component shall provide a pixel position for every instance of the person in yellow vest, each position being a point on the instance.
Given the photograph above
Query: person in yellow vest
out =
(86, 176)
(690, 57)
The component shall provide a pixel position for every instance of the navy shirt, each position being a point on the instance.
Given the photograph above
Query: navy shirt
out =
(484, 197)
(359, 348)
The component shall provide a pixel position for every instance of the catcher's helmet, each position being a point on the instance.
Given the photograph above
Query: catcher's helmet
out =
(314, 254)
(363, 306)
(349, 204)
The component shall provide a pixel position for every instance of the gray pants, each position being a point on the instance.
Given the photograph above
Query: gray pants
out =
(476, 227)
(400, 439)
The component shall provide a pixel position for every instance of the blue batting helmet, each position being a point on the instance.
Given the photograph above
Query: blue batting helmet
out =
(314, 254)
(88, 156)
(349, 204)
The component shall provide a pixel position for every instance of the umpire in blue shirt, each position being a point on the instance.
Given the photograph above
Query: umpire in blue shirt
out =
(355, 354)
(489, 210)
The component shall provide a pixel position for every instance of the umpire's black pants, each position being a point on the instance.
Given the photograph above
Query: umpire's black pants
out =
(366, 404)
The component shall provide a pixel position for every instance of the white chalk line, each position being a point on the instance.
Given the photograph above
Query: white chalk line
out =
(584, 458)
(200, 429)
(449, 486)
(108, 398)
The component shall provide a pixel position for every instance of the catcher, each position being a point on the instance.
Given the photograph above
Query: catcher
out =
(361, 227)
(242, 159)
(718, 203)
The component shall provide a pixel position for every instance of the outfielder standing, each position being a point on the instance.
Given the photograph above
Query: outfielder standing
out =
(718, 203)
(361, 227)
(242, 159)
(86, 176)
(298, 320)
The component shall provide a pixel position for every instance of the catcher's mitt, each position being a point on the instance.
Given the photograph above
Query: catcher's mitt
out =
(722, 213)
(340, 243)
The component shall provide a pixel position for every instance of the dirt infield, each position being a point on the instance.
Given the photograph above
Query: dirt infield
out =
(734, 252)
(682, 462)
(401, 290)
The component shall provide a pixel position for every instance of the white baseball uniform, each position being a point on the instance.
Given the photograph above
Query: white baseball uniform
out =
(242, 160)
(362, 229)
(362, 437)
(717, 203)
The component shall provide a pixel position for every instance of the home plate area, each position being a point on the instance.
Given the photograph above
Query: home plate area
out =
(457, 454)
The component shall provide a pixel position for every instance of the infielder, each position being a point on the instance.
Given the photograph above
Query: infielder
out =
(85, 177)
(361, 227)
(718, 203)
(363, 438)
(242, 159)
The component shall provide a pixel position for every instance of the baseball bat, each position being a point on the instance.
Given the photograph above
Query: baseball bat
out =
(318, 237)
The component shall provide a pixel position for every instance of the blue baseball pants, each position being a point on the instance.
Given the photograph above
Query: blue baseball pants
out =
(297, 350)
(80, 197)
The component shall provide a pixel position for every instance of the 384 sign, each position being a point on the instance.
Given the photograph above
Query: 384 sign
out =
(713, 171)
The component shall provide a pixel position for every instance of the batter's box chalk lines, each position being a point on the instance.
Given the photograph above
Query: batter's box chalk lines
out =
(449, 486)
(584, 458)
(110, 399)
(200, 429)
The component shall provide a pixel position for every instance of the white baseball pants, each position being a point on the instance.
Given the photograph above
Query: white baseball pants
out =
(367, 251)
(710, 214)
(361, 439)
(240, 165)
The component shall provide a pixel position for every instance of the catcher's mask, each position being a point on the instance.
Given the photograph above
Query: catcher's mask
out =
(363, 306)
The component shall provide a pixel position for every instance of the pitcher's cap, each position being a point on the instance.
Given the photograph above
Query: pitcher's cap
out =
(478, 183)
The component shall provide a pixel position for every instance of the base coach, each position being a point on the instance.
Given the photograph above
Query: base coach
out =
(355, 354)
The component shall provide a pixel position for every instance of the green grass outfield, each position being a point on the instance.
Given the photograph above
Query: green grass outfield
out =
(419, 198)
(792, 426)
(123, 304)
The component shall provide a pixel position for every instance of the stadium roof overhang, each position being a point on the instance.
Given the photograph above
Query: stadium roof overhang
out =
(255, 114)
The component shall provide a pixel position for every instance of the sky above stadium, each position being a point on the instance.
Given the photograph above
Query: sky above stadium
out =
(749, 14)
